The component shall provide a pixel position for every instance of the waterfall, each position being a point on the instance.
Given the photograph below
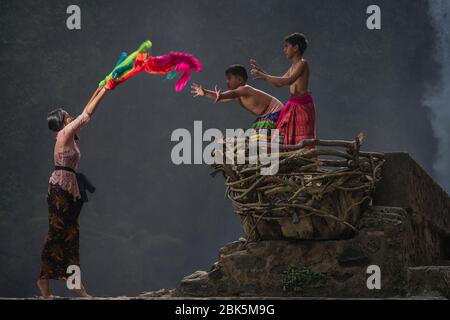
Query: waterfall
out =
(438, 98)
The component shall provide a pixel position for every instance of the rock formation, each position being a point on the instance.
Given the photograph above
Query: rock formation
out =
(404, 230)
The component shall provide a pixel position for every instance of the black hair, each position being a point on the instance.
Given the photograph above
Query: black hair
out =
(238, 71)
(298, 39)
(55, 119)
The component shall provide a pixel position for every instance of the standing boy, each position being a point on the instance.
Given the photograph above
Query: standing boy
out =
(297, 120)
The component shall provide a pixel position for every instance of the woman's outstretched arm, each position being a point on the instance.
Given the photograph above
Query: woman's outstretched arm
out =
(94, 94)
(74, 126)
(95, 100)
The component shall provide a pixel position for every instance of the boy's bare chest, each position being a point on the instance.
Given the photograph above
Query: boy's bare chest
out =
(246, 101)
(253, 104)
(251, 101)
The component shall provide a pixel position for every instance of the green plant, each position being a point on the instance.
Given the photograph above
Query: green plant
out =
(297, 280)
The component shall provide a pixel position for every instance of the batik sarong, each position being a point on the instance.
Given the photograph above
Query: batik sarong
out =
(61, 247)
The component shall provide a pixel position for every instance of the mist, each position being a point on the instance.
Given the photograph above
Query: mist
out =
(437, 97)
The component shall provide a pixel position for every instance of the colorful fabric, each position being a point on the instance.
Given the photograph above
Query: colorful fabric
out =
(67, 154)
(264, 125)
(125, 63)
(268, 121)
(174, 62)
(297, 120)
(61, 247)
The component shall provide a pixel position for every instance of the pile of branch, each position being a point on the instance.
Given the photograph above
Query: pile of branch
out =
(321, 189)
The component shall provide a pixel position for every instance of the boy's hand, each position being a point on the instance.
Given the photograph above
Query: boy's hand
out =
(257, 74)
(256, 71)
(197, 90)
(254, 65)
(217, 91)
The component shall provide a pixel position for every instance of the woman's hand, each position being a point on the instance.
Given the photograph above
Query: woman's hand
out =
(111, 84)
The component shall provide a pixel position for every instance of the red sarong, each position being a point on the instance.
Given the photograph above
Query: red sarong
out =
(297, 120)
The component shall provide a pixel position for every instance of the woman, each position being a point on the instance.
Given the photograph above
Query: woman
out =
(61, 248)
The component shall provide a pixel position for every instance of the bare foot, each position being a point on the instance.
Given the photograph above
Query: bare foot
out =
(44, 288)
(82, 292)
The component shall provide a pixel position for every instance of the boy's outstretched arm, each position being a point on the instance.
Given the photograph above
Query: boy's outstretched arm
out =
(286, 80)
(217, 95)
(230, 94)
(199, 91)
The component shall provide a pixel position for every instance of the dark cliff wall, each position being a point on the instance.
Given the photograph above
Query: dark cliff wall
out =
(405, 184)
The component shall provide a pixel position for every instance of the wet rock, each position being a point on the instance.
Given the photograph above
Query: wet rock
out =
(353, 258)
